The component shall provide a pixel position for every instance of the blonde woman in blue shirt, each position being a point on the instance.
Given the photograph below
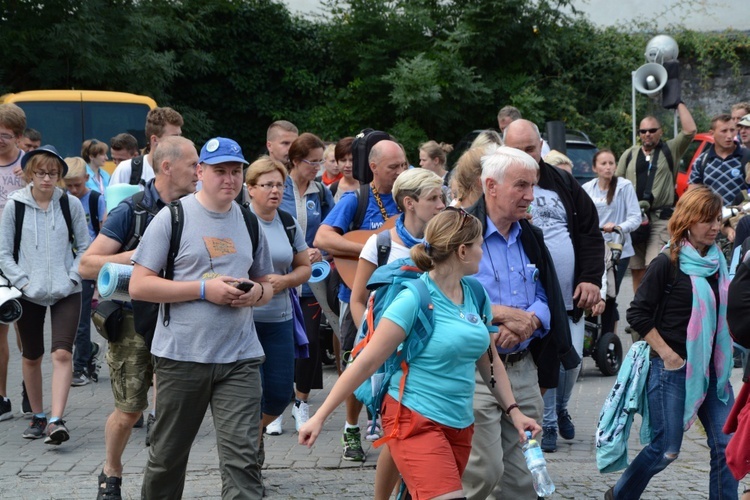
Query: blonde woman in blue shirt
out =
(435, 419)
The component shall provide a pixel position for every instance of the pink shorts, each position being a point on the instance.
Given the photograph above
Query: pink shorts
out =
(430, 457)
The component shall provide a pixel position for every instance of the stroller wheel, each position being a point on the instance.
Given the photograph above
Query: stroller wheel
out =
(609, 354)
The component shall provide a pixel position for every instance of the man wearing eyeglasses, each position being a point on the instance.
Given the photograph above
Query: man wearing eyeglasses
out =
(652, 168)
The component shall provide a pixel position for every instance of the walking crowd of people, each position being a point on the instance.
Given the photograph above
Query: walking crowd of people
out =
(506, 256)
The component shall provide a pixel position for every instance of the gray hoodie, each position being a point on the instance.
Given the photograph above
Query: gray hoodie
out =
(46, 270)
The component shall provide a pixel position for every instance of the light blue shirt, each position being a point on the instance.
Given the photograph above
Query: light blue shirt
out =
(511, 279)
(440, 383)
(92, 184)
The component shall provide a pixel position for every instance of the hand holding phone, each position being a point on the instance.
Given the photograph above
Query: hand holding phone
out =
(245, 286)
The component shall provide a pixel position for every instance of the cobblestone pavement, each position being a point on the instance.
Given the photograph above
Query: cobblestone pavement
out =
(29, 469)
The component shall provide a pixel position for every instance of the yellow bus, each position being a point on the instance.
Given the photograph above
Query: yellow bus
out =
(66, 118)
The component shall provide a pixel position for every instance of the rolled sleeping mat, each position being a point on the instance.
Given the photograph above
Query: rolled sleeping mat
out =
(113, 281)
(115, 193)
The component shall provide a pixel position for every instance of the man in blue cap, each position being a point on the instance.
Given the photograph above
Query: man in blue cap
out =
(206, 350)
(129, 358)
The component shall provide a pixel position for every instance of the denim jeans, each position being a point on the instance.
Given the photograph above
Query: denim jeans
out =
(277, 371)
(82, 353)
(556, 400)
(666, 400)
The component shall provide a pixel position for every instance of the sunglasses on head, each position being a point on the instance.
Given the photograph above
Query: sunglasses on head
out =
(464, 214)
(647, 130)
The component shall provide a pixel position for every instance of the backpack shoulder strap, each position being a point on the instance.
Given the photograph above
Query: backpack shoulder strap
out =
(65, 207)
(136, 171)
(290, 227)
(480, 299)
(253, 227)
(178, 222)
(321, 195)
(383, 246)
(667, 155)
(140, 220)
(94, 210)
(20, 212)
(363, 198)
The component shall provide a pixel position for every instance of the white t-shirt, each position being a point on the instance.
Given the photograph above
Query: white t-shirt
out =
(121, 175)
(370, 250)
(9, 181)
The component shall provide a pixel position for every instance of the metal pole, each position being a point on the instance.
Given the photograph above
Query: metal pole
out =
(632, 88)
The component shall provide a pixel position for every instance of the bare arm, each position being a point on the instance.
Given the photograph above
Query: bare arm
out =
(329, 239)
(383, 344)
(520, 322)
(686, 120)
(672, 360)
(101, 251)
(358, 301)
(301, 270)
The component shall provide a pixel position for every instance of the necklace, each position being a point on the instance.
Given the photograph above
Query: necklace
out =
(375, 193)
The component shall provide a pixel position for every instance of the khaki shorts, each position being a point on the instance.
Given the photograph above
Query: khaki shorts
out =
(646, 252)
(130, 368)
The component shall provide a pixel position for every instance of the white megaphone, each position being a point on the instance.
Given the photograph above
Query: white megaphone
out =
(10, 308)
(317, 283)
(650, 78)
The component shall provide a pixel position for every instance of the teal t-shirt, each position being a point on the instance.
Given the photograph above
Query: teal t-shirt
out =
(440, 383)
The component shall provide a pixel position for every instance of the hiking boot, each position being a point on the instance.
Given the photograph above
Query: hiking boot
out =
(25, 404)
(373, 431)
(79, 379)
(36, 428)
(565, 425)
(57, 433)
(274, 428)
(300, 413)
(353, 445)
(549, 440)
(149, 424)
(6, 410)
(139, 422)
(109, 488)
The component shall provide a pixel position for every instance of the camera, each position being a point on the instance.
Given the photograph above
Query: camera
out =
(10, 308)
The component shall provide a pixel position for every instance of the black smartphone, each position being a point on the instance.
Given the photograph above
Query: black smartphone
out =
(245, 286)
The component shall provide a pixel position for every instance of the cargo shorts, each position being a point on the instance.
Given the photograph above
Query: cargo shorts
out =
(130, 368)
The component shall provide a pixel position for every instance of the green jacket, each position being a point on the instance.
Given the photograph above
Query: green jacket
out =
(664, 179)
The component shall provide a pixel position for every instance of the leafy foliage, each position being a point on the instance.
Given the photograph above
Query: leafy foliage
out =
(420, 69)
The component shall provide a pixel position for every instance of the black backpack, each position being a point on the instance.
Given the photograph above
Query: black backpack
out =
(136, 171)
(94, 211)
(363, 143)
(21, 211)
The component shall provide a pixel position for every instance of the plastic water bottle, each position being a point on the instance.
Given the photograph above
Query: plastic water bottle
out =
(538, 467)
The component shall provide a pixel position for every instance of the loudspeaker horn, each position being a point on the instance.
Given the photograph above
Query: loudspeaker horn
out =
(650, 78)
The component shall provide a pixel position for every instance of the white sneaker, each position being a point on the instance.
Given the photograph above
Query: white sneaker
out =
(274, 428)
(300, 413)
(373, 432)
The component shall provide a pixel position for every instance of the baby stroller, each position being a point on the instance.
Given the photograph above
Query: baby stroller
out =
(605, 347)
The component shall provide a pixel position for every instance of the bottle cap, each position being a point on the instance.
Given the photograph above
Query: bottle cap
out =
(528, 435)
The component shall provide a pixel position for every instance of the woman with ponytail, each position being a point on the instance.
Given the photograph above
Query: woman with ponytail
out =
(617, 205)
(436, 415)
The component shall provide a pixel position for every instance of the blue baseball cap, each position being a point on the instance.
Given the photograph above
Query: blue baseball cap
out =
(48, 150)
(221, 150)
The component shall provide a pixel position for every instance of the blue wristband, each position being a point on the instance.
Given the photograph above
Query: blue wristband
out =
(203, 289)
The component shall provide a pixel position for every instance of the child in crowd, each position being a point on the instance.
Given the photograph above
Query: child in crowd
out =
(84, 358)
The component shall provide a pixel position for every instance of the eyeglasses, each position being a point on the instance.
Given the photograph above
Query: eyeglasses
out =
(41, 175)
(7, 137)
(268, 186)
(314, 163)
(647, 130)
(464, 214)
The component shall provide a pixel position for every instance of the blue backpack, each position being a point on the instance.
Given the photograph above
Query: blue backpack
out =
(386, 283)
